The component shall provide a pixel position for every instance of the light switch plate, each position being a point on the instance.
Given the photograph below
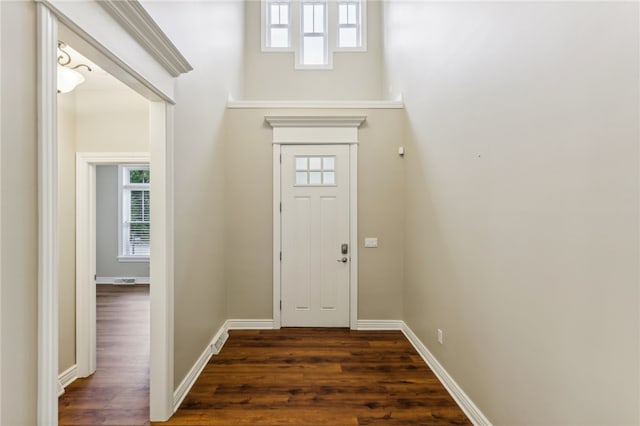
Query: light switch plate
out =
(371, 242)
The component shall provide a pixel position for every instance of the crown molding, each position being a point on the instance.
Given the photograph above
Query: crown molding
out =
(315, 120)
(136, 21)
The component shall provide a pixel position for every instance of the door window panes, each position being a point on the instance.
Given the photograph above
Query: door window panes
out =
(315, 170)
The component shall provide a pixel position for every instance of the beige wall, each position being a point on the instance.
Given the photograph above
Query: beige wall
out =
(19, 214)
(116, 120)
(210, 35)
(66, 230)
(272, 75)
(249, 219)
(522, 202)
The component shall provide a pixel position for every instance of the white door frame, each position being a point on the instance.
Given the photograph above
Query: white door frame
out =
(316, 130)
(86, 240)
(161, 160)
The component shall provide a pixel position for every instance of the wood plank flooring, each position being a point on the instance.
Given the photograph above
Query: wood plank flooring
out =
(317, 377)
(294, 376)
(118, 392)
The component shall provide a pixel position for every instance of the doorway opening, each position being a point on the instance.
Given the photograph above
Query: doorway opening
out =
(161, 260)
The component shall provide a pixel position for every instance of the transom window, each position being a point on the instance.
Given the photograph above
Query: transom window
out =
(135, 218)
(313, 29)
(316, 171)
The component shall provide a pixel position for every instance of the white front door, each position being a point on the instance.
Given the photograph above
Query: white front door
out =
(316, 256)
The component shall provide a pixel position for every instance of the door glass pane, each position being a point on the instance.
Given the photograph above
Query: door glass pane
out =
(301, 163)
(328, 163)
(301, 178)
(314, 163)
(329, 178)
(315, 178)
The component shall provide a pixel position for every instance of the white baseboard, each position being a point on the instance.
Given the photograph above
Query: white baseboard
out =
(66, 378)
(122, 280)
(213, 348)
(218, 341)
(249, 324)
(380, 325)
(462, 399)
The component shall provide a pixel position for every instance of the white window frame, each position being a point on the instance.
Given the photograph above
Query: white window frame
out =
(266, 26)
(124, 188)
(361, 26)
(328, 64)
(296, 35)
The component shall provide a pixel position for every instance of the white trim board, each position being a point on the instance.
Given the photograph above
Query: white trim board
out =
(67, 377)
(315, 129)
(213, 348)
(258, 104)
(136, 21)
(47, 372)
(123, 280)
(460, 397)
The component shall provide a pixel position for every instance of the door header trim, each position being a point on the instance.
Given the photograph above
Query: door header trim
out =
(315, 129)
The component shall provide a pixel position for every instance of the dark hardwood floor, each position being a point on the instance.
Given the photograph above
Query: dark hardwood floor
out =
(118, 392)
(317, 377)
(294, 376)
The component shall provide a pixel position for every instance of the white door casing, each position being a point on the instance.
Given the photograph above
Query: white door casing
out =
(315, 235)
(305, 129)
(88, 23)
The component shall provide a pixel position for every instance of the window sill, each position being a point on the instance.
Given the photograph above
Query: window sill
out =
(133, 259)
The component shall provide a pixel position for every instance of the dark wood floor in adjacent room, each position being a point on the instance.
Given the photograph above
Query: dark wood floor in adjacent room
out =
(292, 376)
(118, 392)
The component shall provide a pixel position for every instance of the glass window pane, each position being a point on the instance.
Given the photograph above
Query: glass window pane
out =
(314, 163)
(279, 37)
(318, 18)
(301, 178)
(275, 14)
(352, 14)
(348, 37)
(328, 163)
(315, 178)
(301, 163)
(342, 14)
(284, 14)
(329, 178)
(307, 13)
(313, 51)
(138, 176)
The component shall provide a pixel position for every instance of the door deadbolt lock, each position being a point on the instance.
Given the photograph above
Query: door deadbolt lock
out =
(344, 248)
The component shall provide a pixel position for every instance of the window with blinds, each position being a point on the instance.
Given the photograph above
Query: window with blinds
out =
(135, 223)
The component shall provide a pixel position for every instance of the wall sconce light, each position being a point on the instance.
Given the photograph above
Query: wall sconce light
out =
(68, 78)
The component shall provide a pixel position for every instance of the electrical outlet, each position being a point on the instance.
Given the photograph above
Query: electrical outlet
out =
(440, 337)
